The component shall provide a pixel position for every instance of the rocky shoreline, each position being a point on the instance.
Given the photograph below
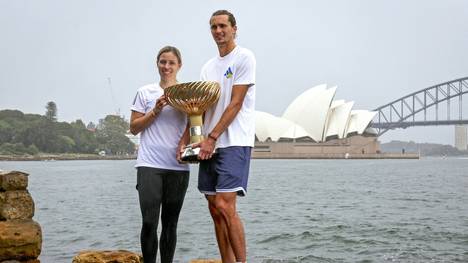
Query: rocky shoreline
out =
(20, 235)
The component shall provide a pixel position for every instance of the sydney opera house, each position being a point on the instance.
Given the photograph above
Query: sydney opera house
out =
(315, 125)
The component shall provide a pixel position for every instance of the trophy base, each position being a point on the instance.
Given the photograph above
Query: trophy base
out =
(190, 155)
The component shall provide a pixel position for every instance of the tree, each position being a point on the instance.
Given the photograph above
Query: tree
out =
(42, 134)
(113, 123)
(85, 140)
(78, 124)
(91, 126)
(32, 133)
(51, 111)
(6, 132)
(110, 135)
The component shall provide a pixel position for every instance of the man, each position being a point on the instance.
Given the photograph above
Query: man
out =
(230, 135)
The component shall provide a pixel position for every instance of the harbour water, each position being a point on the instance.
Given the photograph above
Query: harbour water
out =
(295, 210)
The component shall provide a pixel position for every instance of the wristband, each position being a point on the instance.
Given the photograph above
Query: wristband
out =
(212, 137)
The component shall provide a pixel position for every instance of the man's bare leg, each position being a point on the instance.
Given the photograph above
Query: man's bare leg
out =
(222, 235)
(226, 207)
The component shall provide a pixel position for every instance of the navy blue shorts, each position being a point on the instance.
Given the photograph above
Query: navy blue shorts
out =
(226, 172)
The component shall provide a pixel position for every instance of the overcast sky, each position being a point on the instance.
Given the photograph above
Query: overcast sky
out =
(375, 51)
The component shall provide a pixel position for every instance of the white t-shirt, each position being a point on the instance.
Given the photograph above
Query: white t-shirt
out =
(158, 142)
(236, 68)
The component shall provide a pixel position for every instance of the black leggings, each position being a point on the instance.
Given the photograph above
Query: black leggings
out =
(160, 188)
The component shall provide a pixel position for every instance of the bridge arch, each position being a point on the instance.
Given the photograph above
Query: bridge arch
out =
(401, 113)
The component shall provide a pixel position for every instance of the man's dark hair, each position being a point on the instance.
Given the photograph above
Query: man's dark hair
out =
(231, 17)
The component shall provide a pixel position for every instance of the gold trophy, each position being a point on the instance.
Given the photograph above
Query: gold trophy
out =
(193, 98)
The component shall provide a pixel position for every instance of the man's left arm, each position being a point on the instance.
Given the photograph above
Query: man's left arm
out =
(207, 146)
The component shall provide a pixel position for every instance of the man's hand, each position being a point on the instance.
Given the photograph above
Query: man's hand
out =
(207, 147)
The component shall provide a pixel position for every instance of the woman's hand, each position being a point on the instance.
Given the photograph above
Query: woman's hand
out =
(139, 121)
(184, 140)
(160, 104)
(180, 151)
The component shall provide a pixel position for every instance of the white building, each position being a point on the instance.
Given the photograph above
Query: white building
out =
(316, 116)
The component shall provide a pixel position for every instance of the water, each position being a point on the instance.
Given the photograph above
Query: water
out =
(295, 210)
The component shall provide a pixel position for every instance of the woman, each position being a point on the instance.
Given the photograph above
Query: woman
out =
(161, 180)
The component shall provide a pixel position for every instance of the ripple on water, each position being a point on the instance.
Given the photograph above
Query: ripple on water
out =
(297, 259)
(312, 213)
(280, 237)
(77, 239)
(96, 244)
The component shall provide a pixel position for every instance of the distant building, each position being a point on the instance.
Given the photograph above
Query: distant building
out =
(315, 125)
(314, 117)
(461, 136)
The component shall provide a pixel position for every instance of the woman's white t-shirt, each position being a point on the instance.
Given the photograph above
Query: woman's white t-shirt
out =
(158, 142)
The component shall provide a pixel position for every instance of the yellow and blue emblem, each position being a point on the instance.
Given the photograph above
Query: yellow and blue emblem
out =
(228, 73)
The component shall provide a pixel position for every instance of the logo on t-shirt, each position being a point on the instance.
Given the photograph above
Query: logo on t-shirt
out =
(228, 73)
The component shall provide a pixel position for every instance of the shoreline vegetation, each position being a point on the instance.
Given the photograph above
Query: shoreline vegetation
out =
(34, 136)
(65, 157)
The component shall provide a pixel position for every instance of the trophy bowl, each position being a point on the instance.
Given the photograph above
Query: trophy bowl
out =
(193, 98)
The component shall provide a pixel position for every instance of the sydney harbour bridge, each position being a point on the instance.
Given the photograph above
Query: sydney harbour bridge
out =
(441, 104)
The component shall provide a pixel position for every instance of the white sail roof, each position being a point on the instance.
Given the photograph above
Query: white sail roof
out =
(371, 131)
(294, 131)
(263, 125)
(338, 120)
(270, 126)
(359, 120)
(314, 114)
(303, 100)
(337, 103)
(310, 110)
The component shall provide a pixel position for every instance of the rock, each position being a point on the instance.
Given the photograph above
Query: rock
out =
(205, 261)
(20, 240)
(16, 205)
(107, 256)
(13, 180)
